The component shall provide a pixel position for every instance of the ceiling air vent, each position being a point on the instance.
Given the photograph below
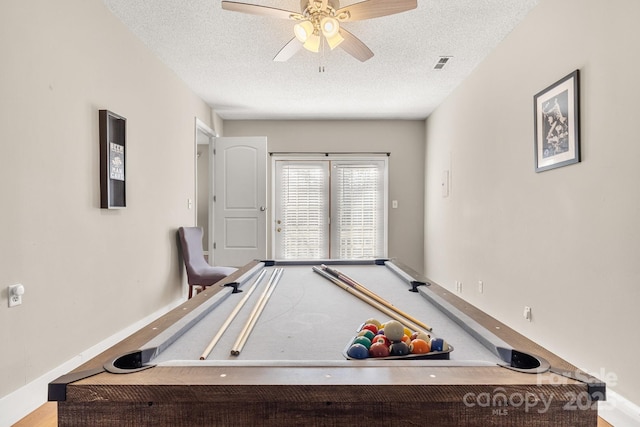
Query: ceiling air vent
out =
(442, 61)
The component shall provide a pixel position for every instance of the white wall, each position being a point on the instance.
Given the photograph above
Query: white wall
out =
(88, 272)
(564, 241)
(403, 139)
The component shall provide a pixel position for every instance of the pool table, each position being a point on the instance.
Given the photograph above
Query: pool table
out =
(294, 368)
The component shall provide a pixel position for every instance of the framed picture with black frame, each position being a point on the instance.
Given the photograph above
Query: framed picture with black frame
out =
(113, 194)
(557, 124)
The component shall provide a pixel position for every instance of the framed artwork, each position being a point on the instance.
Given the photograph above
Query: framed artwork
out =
(557, 124)
(112, 160)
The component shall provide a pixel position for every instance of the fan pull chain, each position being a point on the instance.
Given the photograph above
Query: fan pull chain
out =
(321, 57)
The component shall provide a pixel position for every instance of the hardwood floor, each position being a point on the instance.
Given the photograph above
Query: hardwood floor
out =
(44, 416)
(47, 416)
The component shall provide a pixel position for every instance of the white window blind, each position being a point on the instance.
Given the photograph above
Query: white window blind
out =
(358, 210)
(320, 215)
(302, 228)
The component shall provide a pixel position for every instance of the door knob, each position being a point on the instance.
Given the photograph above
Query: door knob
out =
(262, 208)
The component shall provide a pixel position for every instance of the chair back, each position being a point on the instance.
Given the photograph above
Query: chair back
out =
(192, 253)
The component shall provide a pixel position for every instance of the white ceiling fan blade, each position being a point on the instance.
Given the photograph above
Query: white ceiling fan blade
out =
(374, 9)
(354, 46)
(255, 9)
(288, 50)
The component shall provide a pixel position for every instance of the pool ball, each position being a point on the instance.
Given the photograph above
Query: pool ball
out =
(371, 327)
(407, 331)
(419, 346)
(381, 338)
(374, 322)
(366, 333)
(438, 344)
(421, 335)
(394, 330)
(399, 349)
(363, 340)
(379, 349)
(406, 339)
(358, 351)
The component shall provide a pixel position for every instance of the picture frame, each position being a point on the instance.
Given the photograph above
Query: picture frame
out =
(557, 124)
(113, 194)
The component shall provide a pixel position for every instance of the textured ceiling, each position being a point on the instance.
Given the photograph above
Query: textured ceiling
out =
(226, 57)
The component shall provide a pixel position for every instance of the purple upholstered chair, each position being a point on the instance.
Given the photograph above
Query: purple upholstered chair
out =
(199, 272)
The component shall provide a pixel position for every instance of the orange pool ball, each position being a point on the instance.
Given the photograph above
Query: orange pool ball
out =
(419, 346)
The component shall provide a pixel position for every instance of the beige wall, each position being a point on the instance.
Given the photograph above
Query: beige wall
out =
(403, 139)
(565, 241)
(88, 272)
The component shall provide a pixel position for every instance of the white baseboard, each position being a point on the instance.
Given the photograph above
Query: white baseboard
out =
(618, 411)
(26, 399)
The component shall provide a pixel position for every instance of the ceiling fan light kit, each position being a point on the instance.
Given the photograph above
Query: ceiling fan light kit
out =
(321, 20)
(313, 43)
(303, 30)
(335, 40)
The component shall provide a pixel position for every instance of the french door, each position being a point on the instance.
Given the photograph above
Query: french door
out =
(330, 208)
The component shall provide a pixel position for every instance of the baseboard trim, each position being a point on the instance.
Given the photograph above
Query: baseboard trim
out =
(618, 411)
(26, 399)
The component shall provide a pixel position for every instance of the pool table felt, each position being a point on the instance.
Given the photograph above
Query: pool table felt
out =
(309, 318)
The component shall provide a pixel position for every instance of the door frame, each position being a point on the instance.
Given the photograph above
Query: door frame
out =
(201, 126)
(328, 157)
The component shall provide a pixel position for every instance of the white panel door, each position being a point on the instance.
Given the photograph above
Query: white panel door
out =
(240, 197)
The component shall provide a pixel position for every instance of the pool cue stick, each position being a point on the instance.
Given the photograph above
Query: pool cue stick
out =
(351, 282)
(257, 311)
(409, 324)
(232, 316)
(253, 318)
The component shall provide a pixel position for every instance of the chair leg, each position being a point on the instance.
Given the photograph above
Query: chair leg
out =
(190, 291)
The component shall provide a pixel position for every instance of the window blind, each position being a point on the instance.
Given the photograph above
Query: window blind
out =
(322, 215)
(304, 210)
(358, 222)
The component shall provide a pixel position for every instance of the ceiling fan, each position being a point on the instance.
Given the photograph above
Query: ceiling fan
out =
(319, 21)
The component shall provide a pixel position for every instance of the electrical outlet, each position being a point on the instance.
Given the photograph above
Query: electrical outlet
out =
(15, 293)
(527, 313)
